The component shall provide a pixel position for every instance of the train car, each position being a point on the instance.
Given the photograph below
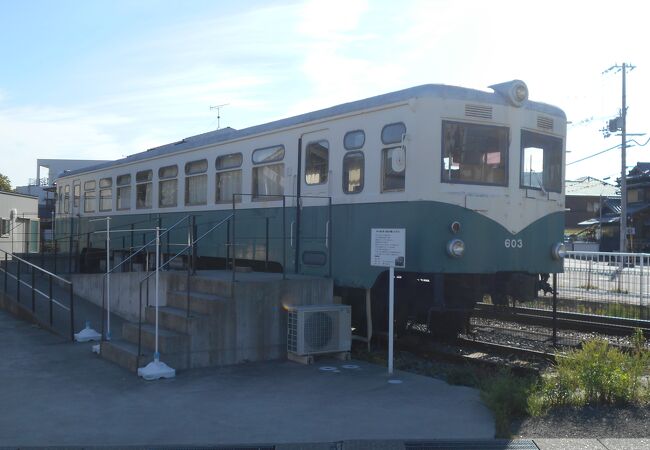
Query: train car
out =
(475, 179)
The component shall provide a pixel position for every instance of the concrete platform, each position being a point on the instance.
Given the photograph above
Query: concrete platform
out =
(56, 393)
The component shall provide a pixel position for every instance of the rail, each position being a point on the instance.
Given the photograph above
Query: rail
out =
(326, 239)
(190, 270)
(595, 290)
(34, 290)
(105, 291)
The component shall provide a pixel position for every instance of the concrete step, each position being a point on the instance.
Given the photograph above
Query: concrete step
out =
(122, 353)
(125, 354)
(174, 319)
(199, 302)
(168, 341)
(205, 285)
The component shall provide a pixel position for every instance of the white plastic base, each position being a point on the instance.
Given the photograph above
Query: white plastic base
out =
(87, 334)
(97, 349)
(155, 370)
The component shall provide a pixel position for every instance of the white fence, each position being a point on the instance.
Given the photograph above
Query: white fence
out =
(613, 284)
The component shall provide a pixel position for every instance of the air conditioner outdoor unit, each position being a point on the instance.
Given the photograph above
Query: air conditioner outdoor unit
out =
(319, 329)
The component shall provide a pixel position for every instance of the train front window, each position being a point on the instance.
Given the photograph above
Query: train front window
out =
(474, 154)
(541, 162)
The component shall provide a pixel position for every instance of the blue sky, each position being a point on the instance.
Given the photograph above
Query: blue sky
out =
(103, 79)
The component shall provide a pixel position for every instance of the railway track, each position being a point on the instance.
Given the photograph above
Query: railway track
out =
(516, 337)
(615, 326)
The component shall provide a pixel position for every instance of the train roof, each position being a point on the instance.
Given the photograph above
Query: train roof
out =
(227, 134)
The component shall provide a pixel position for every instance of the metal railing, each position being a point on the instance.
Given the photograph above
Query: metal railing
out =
(32, 270)
(602, 284)
(140, 249)
(190, 269)
(597, 293)
(294, 241)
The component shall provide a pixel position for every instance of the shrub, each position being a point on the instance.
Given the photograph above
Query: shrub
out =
(596, 374)
(506, 395)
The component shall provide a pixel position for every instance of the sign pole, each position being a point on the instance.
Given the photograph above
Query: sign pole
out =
(391, 312)
(388, 249)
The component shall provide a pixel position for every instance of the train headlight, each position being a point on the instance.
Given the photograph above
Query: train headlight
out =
(455, 248)
(515, 91)
(558, 251)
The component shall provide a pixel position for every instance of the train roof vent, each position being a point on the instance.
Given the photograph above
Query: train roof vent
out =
(480, 111)
(544, 122)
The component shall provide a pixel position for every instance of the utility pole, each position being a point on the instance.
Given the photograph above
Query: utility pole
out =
(622, 126)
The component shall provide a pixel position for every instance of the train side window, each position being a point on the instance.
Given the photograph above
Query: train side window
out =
(123, 183)
(353, 171)
(393, 133)
(317, 162)
(393, 162)
(268, 154)
(105, 194)
(76, 193)
(474, 154)
(167, 186)
(228, 177)
(541, 162)
(196, 182)
(66, 199)
(143, 189)
(354, 140)
(268, 179)
(89, 196)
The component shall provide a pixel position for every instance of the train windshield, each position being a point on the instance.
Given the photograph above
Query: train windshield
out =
(474, 154)
(541, 162)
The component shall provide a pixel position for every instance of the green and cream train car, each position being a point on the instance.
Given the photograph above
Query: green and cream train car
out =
(474, 178)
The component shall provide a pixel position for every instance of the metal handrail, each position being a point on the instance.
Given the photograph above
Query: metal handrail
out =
(127, 259)
(50, 276)
(328, 228)
(46, 272)
(190, 245)
(148, 243)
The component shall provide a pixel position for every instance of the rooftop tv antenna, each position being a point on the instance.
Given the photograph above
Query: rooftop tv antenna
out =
(218, 108)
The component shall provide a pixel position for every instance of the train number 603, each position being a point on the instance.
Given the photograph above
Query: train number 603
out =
(513, 243)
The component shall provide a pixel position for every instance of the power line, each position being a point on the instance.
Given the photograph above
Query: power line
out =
(595, 154)
(611, 148)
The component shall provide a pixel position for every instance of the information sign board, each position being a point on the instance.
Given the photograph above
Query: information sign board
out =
(388, 247)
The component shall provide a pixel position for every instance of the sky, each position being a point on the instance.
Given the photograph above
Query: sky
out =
(104, 79)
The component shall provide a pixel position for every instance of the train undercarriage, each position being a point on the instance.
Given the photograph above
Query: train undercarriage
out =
(442, 302)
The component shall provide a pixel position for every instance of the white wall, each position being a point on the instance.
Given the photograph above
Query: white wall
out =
(17, 238)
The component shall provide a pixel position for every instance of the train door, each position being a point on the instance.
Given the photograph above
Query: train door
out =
(312, 252)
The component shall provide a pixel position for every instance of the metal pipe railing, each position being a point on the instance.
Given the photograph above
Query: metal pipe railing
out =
(51, 276)
(190, 263)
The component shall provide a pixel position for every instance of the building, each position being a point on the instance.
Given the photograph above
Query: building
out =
(19, 224)
(43, 188)
(586, 198)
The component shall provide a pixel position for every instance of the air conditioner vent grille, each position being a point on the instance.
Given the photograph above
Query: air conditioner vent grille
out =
(318, 329)
(480, 111)
(544, 122)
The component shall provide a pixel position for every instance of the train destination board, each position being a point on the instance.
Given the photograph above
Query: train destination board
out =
(388, 247)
